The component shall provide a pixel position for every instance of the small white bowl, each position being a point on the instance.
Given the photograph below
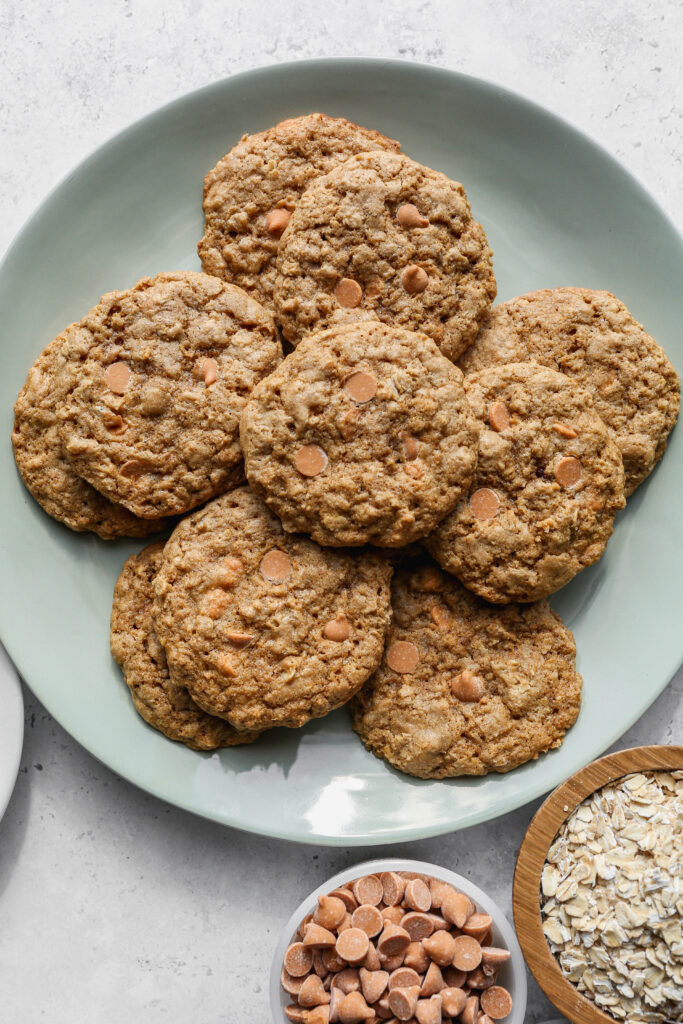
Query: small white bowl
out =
(512, 975)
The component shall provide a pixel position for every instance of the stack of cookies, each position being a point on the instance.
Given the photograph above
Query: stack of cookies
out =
(408, 417)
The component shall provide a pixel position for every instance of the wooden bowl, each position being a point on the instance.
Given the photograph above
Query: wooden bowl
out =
(546, 823)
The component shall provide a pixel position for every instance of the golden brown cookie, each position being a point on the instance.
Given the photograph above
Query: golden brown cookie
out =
(135, 647)
(250, 194)
(592, 337)
(466, 688)
(44, 467)
(155, 380)
(382, 237)
(362, 435)
(548, 484)
(264, 627)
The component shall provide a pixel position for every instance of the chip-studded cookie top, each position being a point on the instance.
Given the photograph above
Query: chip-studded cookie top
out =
(155, 380)
(548, 483)
(484, 689)
(250, 194)
(266, 628)
(135, 647)
(44, 467)
(592, 337)
(363, 434)
(382, 237)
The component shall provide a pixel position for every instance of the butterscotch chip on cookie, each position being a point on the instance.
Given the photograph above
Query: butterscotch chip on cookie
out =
(363, 434)
(135, 647)
(542, 502)
(264, 627)
(487, 688)
(592, 337)
(43, 465)
(155, 380)
(250, 194)
(383, 238)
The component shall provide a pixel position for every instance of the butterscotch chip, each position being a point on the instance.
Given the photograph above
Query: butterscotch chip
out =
(312, 992)
(352, 945)
(373, 984)
(393, 941)
(368, 890)
(277, 221)
(456, 907)
(433, 981)
(414, 279)
(409, 216)
(496, 1002)
(163, 704)
(466, 953)
(418, 925)
(290, 984)
(417, 895)
(403, 1001)
(349, 395)
(275, 566)
(440, 615)
(592, 337)
(298, 960)
(319, 964)
(520, 537)
(484, 503)
(354, 1009)
(239, 639)
(348, 293)
(361, 387)
(564, 431)
(477, 925)
(216, 602)
(568, 472)
(117, 377)
(294, 1013)
(368, 919)
(336, 1000)
(394, 914)
(318, 1015)
(453, 1001)
(441, 948)
(42, 461)
(481, 979)
(402, 657)
(265, 175)
(416, 957)
(413, 721)
(437, 279)
(403, 977)
(133, 468)
(454, 978)
(468, 687)
(329, 912)
(316, 935)
(310, 460)
(332, 961)
(428, 1011)
(499, 417)
(493, 956)
(347, 898)
(284, 589)
(345, 923)
(371, 961)
(438, 922)
(391, 963)
(347, 980)
(440, 890)
(393, 887)
(161, 329)
(470, 1013)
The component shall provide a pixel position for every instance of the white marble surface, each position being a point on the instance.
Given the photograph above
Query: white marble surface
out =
(114, 906)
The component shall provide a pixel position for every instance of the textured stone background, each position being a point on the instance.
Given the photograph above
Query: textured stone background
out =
(113, 906)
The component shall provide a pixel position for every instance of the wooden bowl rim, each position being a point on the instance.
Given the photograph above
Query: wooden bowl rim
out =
(539, 836)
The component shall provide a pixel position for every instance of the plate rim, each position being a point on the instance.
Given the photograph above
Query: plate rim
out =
(11, 686)
(547, 780)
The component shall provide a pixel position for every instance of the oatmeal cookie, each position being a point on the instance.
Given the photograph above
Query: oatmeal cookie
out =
(548, 484)
(592, 337)
(362, 435)
(383, 238)
(135, 647)
(44, 467)
(264, 627)
(466, 688)
(250, 194)
(156, 378)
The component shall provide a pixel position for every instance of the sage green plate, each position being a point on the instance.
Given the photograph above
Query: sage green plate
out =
(558, 210)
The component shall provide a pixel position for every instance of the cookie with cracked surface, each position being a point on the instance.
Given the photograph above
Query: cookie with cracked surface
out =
(362, 435)
(264, 627)
(383, 238)
(250, 194)
(135, 647)
(592, 337)
(548, 484)
(45, 469)
(155, 380)
(465, 687)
